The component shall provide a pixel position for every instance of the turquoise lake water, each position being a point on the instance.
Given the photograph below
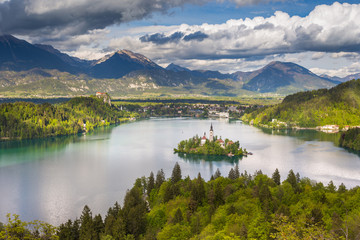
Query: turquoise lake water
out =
(52, 179)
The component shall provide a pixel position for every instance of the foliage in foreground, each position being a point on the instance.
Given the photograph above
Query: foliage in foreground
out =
(24, 120)
(16, 229)
(239, 206)
(338, 105)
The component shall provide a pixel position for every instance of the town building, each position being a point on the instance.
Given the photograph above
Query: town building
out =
(203, 140)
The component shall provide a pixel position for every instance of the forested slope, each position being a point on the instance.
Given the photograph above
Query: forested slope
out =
(22, 120)
(338, 105)
(238, 206)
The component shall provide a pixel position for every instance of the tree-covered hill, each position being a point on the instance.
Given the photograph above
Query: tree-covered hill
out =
(237, 206)
(338, 105)
(22, 120)
(351, 139)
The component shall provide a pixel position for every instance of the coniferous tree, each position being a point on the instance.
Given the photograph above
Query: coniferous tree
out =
(98, 226)
(232, 175)
(176, 173)
(160, 178)
(178, 217)
(237, 172)
(331, 187)
(151, 183)
(292, 179)
(276, 177)
(113, 222)
(217, 174)
(218, 194)
(342, 188)
(134, 212)
(69, 230)
(298, 179)
(86, 225)
(198, 190)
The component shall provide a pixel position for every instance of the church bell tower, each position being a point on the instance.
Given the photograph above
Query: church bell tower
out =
(211, 137)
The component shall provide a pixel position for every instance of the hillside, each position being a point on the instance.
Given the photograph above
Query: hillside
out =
(24, 120)
(338, 105)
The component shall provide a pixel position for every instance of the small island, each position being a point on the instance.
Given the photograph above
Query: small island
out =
(211, 146)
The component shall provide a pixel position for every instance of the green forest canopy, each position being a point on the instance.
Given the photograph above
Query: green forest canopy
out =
(23, 120)
(238, 206)
(338, 105)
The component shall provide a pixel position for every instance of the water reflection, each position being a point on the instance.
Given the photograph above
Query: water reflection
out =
(310, 135)
(22, 151)
(196, 158)
(306, 135)
(52, 179)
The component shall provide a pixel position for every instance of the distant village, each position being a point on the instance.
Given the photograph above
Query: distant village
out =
(190, 110)
(330, 128)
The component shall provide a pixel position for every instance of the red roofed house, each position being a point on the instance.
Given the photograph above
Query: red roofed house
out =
(230, 143)
(221, 142)
(203, 140)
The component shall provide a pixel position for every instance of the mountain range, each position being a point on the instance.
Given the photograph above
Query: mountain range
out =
(34, 69)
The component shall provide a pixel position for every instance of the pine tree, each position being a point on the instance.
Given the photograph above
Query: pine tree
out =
(98, 226)
(217, 174)
(176, 173)
(134, 212)
(276, 177)
(178, 217)
(298, 177)
(198, 191)
(342, 188)
(292, 179)
(150, 184)
(86, 225)
(160, 178)
(237, 172)
(232, 175)
(331, 187)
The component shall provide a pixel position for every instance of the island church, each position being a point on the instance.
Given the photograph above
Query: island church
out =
(211, 136)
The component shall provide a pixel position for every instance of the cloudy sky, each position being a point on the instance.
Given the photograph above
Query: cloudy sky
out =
(224, 35)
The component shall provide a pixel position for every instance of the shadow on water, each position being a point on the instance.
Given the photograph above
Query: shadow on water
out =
(196, 158)
(21, 151)
(306, 135)
(310, 135)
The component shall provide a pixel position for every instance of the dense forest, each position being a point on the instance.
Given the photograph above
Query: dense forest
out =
(236, 206)
(351, 139)
(338, 105)
(25, 120)
(193, 146)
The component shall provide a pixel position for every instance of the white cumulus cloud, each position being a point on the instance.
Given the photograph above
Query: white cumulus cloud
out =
(328, 28)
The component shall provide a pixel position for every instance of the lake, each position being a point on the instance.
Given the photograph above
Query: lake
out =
(52, 179)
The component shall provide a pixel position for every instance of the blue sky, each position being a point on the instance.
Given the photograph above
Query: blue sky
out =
(224, 35)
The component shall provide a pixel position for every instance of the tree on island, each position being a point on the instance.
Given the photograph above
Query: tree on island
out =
(194, 145)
